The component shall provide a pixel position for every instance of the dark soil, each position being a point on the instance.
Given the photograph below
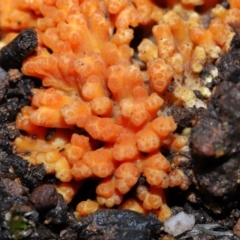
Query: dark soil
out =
(216, 138)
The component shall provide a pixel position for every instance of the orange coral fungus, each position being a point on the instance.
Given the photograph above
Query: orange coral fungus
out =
(108, 83)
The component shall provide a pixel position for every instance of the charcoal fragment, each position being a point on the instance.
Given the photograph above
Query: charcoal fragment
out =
(44, 197)
(30, 175)
(117, 224)
(12, 55)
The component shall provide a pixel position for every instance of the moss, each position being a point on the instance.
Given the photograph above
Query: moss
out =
(17, 226)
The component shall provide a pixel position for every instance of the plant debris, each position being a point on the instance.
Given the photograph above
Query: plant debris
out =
(12, 55)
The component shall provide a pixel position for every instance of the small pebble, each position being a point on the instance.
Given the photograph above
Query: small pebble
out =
(13, 188)
(179, 223)
(44, 197)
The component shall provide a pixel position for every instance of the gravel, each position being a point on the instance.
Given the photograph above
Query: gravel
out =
(179, 223)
